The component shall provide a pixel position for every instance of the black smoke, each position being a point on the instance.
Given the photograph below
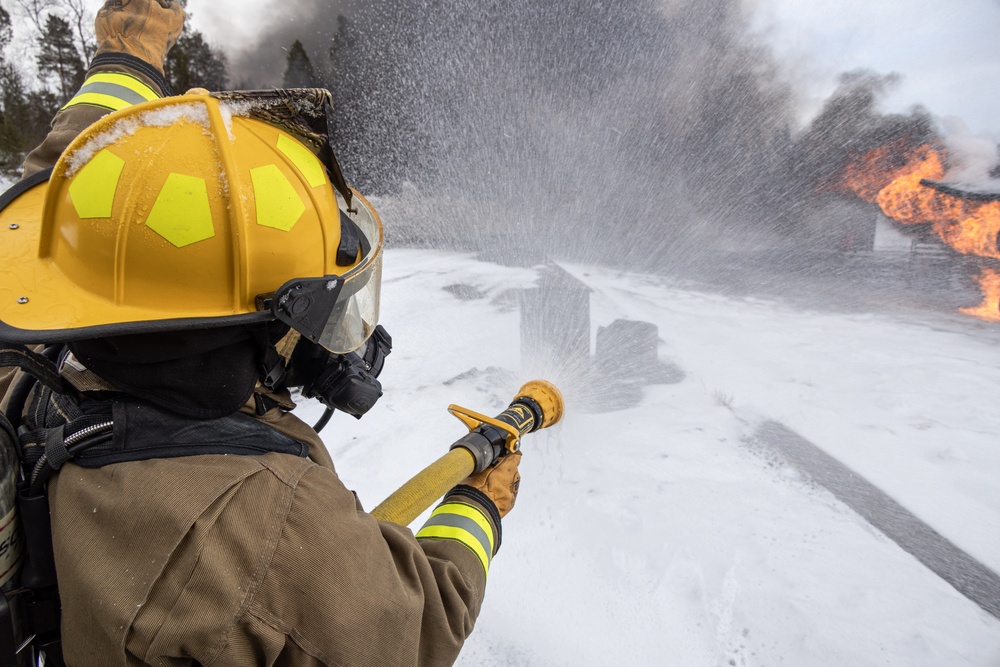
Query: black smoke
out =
(262, 63)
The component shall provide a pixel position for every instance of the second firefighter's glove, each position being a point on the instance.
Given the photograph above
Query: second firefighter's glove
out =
(145, 29)
(499, 482)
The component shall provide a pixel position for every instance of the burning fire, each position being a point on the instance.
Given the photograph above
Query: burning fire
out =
(989, 309)
(881, 167)
(892, 178)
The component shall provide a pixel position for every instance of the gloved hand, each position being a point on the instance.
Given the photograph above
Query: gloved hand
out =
(145, 29)
(499, 482)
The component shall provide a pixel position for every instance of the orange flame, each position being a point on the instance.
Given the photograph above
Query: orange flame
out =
(969, 227)
(977, 233)
(989, 309)
(881, 167)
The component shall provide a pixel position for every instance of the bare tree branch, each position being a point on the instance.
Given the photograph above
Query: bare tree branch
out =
(83, 25)
(36, 11)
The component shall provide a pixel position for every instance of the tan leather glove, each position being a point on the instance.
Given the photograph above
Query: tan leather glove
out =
(500, 482)
(145, 29)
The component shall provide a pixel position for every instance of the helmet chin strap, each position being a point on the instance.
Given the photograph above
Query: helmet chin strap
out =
(275, 354)
(272, 373)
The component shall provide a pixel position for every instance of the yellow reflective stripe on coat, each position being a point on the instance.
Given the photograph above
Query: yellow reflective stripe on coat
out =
(112, 90)
(463, 523)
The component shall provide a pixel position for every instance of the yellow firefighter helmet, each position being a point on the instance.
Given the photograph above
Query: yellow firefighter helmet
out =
(183, 213)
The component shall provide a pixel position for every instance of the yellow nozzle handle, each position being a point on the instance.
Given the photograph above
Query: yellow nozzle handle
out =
(475, 419)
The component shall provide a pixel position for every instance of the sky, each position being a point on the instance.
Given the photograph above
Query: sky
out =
(947, 53)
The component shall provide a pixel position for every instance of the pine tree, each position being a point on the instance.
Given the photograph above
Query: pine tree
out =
(59, 61)
(21, 126)
(374, 61)
(342, 45)
(299, 72)
(192, 63)
(8, 80)
(6, 33)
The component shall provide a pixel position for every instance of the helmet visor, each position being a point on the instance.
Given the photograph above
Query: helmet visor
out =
(338, 312)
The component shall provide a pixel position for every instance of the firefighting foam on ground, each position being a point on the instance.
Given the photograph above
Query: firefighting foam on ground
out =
(666, 525)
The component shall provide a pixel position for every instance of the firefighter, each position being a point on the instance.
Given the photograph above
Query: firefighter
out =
(185, 263)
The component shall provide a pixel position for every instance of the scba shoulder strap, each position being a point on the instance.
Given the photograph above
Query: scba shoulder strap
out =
(61, 425)
(138, 431)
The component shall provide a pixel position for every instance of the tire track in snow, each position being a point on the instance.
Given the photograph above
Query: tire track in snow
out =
(967, 575)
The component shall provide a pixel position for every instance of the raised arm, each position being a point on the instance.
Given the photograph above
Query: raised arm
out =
(133, 39)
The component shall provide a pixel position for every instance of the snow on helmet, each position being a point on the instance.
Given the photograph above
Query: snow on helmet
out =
(181, 213)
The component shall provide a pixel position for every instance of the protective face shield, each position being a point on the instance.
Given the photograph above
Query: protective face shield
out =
(338, 312)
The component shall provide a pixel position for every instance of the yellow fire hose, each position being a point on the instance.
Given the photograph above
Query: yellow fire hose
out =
(538, 405)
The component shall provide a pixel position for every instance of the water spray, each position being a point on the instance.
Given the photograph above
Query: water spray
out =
(537, 405)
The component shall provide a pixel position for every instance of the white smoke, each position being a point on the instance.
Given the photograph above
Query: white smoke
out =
(972, 156)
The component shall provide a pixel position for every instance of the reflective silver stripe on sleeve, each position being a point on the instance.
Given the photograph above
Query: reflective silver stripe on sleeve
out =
(464, 524)
(114, 90)
(468, 525)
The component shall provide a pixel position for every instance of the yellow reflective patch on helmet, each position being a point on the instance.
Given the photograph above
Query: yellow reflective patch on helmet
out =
(303, 159)
(181, 213)
(93, 189)
(278, 204)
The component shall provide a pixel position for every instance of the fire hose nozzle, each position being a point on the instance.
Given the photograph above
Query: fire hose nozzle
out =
(538, 405)
(548, 398)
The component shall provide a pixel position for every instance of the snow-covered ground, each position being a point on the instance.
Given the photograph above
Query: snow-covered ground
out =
(661, 534)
